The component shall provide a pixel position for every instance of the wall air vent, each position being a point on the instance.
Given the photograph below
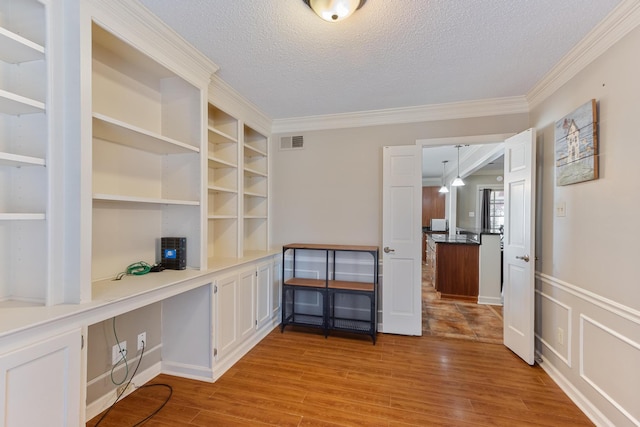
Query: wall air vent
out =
(291, 142)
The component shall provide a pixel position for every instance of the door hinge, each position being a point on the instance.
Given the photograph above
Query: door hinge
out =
(81, 341)
(215, 352)
(215, 289)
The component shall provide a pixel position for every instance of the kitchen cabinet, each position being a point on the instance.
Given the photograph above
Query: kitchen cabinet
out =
(454, 266)
(433, 205)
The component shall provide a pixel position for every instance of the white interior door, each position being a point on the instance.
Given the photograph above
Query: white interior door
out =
(401, 225)
(519, 244)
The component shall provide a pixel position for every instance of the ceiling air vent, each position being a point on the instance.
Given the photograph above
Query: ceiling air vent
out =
(291, 142)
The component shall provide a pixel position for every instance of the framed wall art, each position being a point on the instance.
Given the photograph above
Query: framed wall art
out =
(576, 145)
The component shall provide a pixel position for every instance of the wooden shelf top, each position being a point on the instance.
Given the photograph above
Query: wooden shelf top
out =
(310, 283)
(318, 246)
(351, 286)
(342, 285)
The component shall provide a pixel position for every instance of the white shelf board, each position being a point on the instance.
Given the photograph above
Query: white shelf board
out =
(255, 217)
(15, 49)
(222, 217)
(253, 152)
(13, 104)
(252, 194)
(133, 199)
(9, 159)
(220, 137)
(255, 172)
(219, 163)
(22, 216)
(215, 188)
(119, 132)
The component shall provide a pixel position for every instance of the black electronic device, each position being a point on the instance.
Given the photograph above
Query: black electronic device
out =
(173, 253)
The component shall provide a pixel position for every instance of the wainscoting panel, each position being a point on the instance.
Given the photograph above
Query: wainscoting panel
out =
(604, 378)
(553, 326)
(603, 346)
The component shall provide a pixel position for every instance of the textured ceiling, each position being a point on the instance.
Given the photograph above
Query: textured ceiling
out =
(391, 53)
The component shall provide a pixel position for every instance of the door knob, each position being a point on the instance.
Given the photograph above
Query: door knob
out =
(388, 250)
(525, 258)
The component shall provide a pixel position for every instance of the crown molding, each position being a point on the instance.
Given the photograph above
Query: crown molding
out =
(229, 100)
(624, 18)
(135, 24)
(423, 113)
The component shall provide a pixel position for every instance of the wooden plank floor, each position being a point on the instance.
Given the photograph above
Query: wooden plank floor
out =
(299, 378)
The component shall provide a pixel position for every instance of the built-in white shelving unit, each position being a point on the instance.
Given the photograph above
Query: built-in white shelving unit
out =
(255, 190)
(24, 147)
(114, 132)
(237, 187)
(222, 188)
(147, 145)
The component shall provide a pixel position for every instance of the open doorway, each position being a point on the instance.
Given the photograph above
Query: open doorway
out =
(472, 316)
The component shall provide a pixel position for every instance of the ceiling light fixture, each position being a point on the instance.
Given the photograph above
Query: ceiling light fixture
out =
(458, 182)
(444, 188)
(334, 10)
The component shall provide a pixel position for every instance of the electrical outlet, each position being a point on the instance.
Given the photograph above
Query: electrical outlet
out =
(561, 209)
(142, 336)
(560, 336)
(116, 356)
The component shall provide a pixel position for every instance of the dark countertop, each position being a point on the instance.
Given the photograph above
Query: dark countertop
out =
(478, 231)
(458, 239)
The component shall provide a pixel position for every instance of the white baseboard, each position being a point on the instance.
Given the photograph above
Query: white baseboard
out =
(594, 414)
(490, 300)
(184, 370)
(103, 402)
(222, 365)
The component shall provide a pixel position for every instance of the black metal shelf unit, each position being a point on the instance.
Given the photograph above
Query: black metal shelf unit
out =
(327, 315)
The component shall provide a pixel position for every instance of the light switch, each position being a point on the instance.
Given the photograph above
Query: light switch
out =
(561, 209)
(472, 214)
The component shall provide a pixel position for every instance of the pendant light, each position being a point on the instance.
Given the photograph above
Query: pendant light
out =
(334, 10)
(444, 188)
(458, 182)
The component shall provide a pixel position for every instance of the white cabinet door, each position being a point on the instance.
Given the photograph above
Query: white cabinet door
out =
(264, 295)
(246, 309)
(235, 306)
(276, 287)
(40, 383)
(226, 327)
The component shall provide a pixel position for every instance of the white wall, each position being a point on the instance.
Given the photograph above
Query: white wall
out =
(468, 198)
(588, 287)
(331, 191)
